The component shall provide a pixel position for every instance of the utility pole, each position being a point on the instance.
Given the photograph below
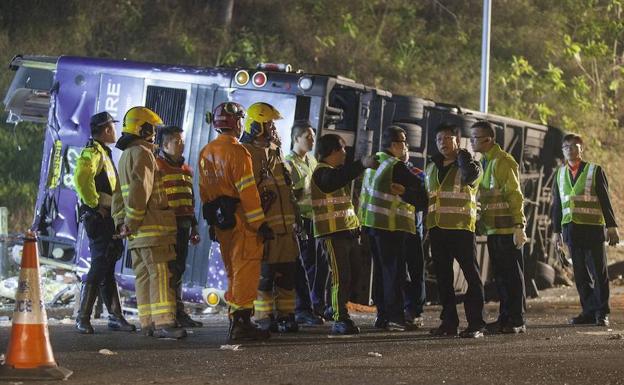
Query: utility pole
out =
(485, 55)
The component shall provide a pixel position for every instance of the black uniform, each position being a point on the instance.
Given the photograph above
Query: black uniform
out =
(586, 244)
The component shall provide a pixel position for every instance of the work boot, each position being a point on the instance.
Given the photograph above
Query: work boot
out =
(328, 314)
(170, 331)
(308, 318)
(400, 326)
(443, 331)
(583, 319)
(148, 331)
(88, 294)
(99, 307)
(472, 333)
(242, 329)
(602, 320)
(345, 327)
(381, 323)
(267, 324)
(495, 327)
(185, 320)
(287, 324)
(510, 329)
(116, 321)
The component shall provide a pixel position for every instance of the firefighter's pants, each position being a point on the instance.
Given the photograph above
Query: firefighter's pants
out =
(241, 250)
(276, 290)
(154, 293)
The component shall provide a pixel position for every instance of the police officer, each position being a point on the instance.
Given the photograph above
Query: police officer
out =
(581, 210)
(178, 184)
(95, 179)
(227, 186)
(452, 179)
(312, 270)
(275, 306)
(336, 225)
(502, 217)
(142, 213)
(387, 212)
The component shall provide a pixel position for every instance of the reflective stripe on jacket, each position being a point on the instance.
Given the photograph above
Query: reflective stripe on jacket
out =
(301, 169)
(502, 202)
(579, 202)
(140, 202)
(379, 207)
(332, 212)
(178, 184)
(451, 205)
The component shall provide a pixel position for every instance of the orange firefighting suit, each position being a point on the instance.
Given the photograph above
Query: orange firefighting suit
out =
(225, 170)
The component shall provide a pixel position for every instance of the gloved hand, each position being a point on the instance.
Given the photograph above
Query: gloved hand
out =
(370, 161)
(397, 189)
(266, 232)
(613, 237)
(519, 237)
(463, 157)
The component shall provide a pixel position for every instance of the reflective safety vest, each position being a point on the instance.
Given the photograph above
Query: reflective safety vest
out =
(379, 208)
(178, 184)
(301, 172)
(451, 205)
(579, 202)
(496, 214)
(332, 212)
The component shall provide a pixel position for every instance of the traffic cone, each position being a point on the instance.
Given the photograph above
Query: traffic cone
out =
(29, 356)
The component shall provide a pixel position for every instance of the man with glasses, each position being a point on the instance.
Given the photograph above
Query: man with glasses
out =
(503, 220)
(388, 214)
(581, 210)
(452, 180)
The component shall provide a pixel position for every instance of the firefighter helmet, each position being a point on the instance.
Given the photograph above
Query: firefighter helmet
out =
(259, 113)
(141, 121)
(227, 115)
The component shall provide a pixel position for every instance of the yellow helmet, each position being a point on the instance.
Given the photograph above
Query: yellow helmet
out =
(260, 113)
(141, 121)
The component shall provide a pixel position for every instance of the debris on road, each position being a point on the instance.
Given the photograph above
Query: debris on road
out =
(230, 347)
(617, 336)
(107, 352)
(374, 354)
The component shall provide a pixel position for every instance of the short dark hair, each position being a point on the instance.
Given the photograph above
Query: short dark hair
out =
(298, 128)
(571, 137)
(327, 144)
(447, 126)
(485, 126)
(164, 133)
(391, 134)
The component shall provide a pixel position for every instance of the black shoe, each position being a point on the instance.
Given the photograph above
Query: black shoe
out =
(88, 294)
(287, 324)
(381, 323)
(345, 327)
(400, 326)
(169, 332)
(109, 293)
(602, 320)
(495, 327)
(120, 324)
(308, 318)
(443, 331)
(184, 320)
(416, 322)
(242, 329)
(471, 333)
(582, 319)
(509, 329)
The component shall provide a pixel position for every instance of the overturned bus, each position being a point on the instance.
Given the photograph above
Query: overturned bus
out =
(63, 92)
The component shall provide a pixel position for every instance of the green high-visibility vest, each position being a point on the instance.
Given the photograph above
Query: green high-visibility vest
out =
(579, 202)
(451, 205)
(332, 212)
(496, 214)
(379, 208)
(301, 173)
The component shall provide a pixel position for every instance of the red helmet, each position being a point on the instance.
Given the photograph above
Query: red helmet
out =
(227, 115)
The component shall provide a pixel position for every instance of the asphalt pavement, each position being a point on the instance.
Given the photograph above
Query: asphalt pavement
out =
(551, 352)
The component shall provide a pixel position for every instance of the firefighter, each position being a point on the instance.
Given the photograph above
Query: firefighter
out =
(335, 223)
(95, 179)
(502, 219)
(275, 306)
(231, 206)
(452, 179)
(142, 214)
(312, 270)
(178, 183)
(581, 210)
(388, 215)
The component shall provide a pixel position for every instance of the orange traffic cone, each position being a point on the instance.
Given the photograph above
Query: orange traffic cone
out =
(29, 356)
